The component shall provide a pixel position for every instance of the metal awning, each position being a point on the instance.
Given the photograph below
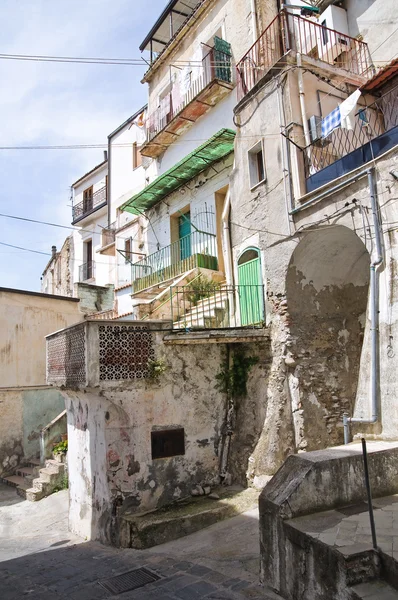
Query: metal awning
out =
(171, 19)
(217, 147)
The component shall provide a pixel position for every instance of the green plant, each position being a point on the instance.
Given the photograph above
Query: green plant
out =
(63, 485)
(199, 288)
(61, 447)
(156, 368)
(232, 379)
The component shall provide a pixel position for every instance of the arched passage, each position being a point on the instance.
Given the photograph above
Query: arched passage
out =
(327, 290)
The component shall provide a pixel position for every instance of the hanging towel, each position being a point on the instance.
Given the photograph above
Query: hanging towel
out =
(347, 111)
(186, 79)
(331, 121)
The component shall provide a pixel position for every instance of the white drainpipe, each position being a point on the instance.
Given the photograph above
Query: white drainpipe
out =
(374, 317)
(254, 20)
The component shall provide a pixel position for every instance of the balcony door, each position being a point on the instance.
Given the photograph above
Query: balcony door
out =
(89, 259)
(251, 301)
(184, 235)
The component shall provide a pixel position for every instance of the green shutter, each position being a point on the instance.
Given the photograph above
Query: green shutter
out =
(184, 235)
(222, 59)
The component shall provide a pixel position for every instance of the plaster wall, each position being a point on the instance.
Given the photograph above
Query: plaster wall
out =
(109, 433)
(125, 180)
(57, 276)
(105, 268)
(96, 179)
(317, 365)
(375, 21)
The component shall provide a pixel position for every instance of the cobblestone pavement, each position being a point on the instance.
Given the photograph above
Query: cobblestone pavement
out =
(41, 559)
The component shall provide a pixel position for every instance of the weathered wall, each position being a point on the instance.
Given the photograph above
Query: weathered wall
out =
(26, 404)
(316, 285)
(24, 413)
(109, 434)
(94, 298)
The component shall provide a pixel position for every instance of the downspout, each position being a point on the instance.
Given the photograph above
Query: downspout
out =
(226, 242)
(253, 12)
(302, 101)
(109, 181)
(374, 316)
(285, 159)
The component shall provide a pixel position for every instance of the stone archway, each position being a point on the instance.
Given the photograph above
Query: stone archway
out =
(327, 290)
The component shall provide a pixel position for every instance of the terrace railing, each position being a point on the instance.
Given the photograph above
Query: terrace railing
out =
(293, 32)
(99, 198)
(216, 306)
(198, 249)
(216, 65)
(370, 123)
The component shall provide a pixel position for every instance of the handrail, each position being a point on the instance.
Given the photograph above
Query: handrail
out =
(197, 249)
(88, 204)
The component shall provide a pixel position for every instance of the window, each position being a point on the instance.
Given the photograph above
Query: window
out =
(137, 157)
(256, 165)
(169, 442)
(88, 270)
(127, 250)
(88, 199)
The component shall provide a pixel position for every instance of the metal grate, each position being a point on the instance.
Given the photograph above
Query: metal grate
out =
(129, 581)
(66, 357)
(124, 352)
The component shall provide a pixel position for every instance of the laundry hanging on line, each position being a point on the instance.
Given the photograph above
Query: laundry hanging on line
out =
(342, 116)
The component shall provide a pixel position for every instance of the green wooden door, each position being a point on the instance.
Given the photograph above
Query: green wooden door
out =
(250, 292)
(184, 235)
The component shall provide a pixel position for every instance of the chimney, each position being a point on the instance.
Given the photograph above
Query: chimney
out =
(53, 251)
(105, 154)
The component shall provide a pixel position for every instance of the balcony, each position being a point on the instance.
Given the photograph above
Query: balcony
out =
(375, 131)
(99, 352)
(321, 46)
(89, 205)
(87, 271)
(198, 249)
(210, 83)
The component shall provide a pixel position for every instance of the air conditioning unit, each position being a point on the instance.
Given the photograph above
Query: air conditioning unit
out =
(315, 127)
(333, 37)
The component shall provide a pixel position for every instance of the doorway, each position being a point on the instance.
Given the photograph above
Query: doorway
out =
(251, 297)
(184, 235)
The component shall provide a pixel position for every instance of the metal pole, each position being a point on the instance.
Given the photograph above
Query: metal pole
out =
(346, 426)
(369, 493)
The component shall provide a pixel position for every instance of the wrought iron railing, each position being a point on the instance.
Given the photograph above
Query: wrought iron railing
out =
(293, 32)
(198, 249)
(217, 306)
(88, 204)
(369, 123)
(216, 65)
(87, 271)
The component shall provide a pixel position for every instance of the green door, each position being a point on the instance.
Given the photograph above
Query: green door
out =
(184, 235)
(251, 300)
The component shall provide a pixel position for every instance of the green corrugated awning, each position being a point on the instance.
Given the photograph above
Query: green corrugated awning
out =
(217, 147)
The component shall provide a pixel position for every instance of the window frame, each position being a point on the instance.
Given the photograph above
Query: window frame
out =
(137, 156)
(254, 169)
(179, 444)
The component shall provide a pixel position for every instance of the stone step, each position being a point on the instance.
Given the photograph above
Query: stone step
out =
(34, 495)
(374, 590)
(14, 480)
(48, 475)
(24, 471)
(33, 462)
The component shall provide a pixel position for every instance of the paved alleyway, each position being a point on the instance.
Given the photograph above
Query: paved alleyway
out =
(41, 559)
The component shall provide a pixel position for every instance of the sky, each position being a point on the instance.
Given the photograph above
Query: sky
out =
(59, 104)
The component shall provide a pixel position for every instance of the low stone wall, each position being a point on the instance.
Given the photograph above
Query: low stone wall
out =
(309, 483)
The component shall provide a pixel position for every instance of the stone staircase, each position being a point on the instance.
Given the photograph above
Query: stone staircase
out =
(34, 482)
(210, 312)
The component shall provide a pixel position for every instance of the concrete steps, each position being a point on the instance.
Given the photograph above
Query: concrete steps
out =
(207, 312)
(50, 477)
(374, 590)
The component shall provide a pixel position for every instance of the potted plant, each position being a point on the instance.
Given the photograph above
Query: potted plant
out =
(60, 450)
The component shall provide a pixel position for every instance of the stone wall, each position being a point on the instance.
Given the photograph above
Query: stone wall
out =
(94, 298)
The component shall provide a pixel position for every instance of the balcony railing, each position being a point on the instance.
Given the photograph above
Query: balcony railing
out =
(198, 249)
(218, 306)
(292, 32)
(375, 132)
(99, 198)
(216, 65)
(87, 271)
